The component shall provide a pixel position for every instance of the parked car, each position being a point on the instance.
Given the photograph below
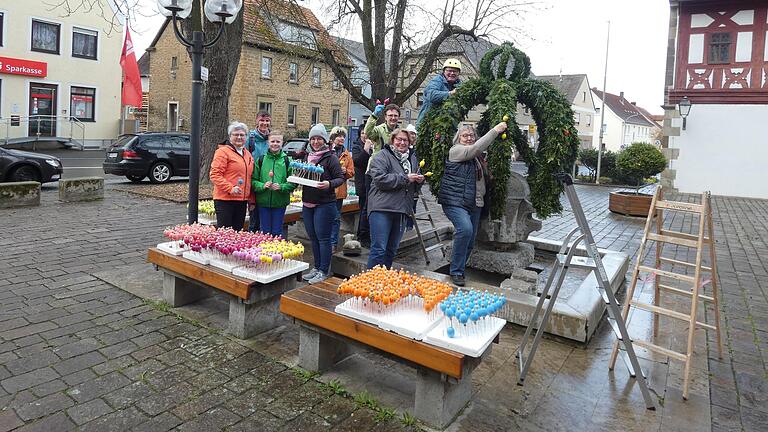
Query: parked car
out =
(17, 166)
(159, 155)
(296, 148)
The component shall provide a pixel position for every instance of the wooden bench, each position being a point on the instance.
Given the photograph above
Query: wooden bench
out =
(253, 306)
(443, 377)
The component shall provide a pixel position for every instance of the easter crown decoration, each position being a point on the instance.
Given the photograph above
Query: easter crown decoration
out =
(501, 92)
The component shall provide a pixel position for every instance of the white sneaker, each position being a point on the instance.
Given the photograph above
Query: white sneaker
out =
(310, 274)
(319, 277)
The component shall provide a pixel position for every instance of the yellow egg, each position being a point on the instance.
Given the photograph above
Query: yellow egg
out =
(505, 118)
(504, 136)
(428, 173)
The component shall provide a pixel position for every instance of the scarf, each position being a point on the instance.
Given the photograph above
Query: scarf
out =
(404, 159)
(314, 157)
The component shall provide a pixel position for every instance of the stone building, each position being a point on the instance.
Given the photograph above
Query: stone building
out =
(280, 71)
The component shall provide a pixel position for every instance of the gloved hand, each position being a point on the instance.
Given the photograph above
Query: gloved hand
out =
(378, 110)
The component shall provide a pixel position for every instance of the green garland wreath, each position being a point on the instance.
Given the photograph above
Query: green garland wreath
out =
(558, 137)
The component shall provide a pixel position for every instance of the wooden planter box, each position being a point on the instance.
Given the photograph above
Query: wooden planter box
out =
(630, 203)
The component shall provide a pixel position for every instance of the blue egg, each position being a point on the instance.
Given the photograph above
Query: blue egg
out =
(442, 306)
(474, 316)
(463, 318)
(451, 332)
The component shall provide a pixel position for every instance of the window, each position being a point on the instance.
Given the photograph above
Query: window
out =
(266, 67)
(293, 72)
(173, 116)
(316, 76)
(266, 106)
(315, 115)
(589, 119)
(419, 99)
(291, 115)
(84, 43)
(2, 22)
(295, 35)
(174, 63)
(577, 118)
(335, 117)
(720, 48)
(45, 37)
(81, 103)
(336, 84)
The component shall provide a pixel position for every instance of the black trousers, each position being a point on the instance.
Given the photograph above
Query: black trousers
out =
(230, 213)
(363, 227)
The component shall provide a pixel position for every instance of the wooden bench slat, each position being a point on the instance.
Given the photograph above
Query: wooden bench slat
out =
(227, 282)
(301, 304)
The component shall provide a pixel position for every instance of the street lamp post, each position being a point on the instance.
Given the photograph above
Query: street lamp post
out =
(216, 11)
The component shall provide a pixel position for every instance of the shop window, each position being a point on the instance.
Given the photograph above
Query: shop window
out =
(82, 103)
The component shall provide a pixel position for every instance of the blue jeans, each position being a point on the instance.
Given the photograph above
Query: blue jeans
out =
(318, 221)
(253, 223)
(336, 223)
(386, 231)
(271, 220)
(465, 226)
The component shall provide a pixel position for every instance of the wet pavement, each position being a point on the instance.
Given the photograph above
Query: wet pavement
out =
(77, 352)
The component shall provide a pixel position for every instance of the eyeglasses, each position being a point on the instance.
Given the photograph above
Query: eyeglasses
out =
(398, 139)
(467, 135)
(237, 135)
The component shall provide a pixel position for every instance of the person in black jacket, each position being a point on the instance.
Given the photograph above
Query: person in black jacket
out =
(462, 192)
(361, 153)
(390, 200)
(319, 204)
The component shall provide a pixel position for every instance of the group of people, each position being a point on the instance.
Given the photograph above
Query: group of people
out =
(250, 171)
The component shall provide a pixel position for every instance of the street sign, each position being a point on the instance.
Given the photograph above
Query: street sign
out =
(203, 73)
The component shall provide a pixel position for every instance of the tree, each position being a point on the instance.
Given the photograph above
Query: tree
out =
(640, 161)
(400, 26)
(588, 158)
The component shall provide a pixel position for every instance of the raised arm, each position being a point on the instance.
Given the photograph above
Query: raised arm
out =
(461, 153)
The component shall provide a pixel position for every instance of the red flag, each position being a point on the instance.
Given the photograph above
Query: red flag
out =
(131, 76)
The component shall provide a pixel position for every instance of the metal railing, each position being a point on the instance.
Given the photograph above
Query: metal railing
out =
(39, 124)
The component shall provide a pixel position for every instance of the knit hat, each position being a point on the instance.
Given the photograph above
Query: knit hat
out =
(410, 128)
(319, 130)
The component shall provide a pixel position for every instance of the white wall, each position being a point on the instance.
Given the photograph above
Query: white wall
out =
(724, 149)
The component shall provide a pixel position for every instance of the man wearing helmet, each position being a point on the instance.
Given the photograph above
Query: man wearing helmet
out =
(441, 86)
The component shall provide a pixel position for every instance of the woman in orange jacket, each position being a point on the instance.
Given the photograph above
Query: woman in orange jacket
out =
(230, 174)
(338, 136)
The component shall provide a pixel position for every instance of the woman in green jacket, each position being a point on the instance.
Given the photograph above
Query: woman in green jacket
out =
(273, 192)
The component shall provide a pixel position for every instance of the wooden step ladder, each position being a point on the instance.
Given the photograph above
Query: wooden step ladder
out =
(692, 285)
(426, 216)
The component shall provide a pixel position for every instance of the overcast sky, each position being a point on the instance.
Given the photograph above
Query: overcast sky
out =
(563, 35)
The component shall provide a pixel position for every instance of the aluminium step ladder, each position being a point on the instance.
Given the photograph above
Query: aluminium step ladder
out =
(566, 259)
(687, 285)
(426, 216)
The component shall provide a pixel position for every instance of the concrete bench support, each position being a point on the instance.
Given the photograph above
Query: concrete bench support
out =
(439, 398)
(261, 312)
(81, 189)
(319, 351)
(19, 194)
(178, 291)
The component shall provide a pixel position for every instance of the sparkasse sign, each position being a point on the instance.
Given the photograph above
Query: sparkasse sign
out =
(16, 66)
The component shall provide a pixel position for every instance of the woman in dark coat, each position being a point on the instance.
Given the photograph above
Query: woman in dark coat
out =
(361, 153)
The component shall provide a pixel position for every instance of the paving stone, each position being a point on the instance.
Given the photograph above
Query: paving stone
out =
(36, 361)
(118, 350)
(115, 421)
(50, 387)
(9, 420)
(55, 422)
(77, 348)
(163, 422)
(166, 399)
(149, 352)
(258, 421)
(149, 339)
(214, 419)
(79, 377)
(335, 409)
(80, 362)
(30, 379)
(42, 407)
(309, 422)
(28, 330)
(248, 403)
(98, 387)
(128, 395)
(204, 402)
(91, 410)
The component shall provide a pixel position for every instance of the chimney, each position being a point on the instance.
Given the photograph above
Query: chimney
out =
(634, 103)
(621, 95)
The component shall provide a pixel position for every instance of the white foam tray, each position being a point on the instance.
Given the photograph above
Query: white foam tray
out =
(292, 268)
(303, 181)
(412, 322)
(226, 265)
(366, 313)
(196, 257)
(472, 345)
(172, 247)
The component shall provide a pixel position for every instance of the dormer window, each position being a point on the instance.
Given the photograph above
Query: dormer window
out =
(296, 35)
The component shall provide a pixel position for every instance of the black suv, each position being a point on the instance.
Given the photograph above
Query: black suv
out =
(18, 166)
(158, 155)
(296, 148)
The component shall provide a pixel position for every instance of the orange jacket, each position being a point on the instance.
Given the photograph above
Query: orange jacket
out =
(348, 166)
(227, 168)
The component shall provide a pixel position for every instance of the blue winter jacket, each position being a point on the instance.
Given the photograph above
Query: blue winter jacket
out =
(437, 90)
(257, 144)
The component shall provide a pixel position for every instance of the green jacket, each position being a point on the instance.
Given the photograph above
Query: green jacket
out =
(378, 134)
(269, 198)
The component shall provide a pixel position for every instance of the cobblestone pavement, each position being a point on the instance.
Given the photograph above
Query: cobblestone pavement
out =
(76, 352)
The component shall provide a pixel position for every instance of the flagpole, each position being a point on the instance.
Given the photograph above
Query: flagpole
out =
(602, 109)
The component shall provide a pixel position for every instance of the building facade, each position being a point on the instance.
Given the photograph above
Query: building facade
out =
(284, 76)
(60, 75)
(717, 57)
(624, 123)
